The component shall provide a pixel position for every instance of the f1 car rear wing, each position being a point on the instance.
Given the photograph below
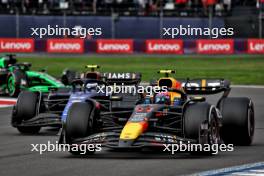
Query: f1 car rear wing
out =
(199, 86)
(122, 78)
(92, 67)
(205, 86)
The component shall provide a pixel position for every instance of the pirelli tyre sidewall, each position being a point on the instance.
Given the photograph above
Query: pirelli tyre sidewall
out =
(24, 110)
(238, 120)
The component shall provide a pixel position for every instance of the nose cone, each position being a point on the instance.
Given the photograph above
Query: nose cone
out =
(130, 132)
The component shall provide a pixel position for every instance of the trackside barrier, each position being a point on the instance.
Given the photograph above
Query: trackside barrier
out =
(130, 46)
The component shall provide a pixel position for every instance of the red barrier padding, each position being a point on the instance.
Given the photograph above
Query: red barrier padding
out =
(117, 46)
(16, 45)
(164, 46)
(255, 46)
(65, 45)
(219, 46)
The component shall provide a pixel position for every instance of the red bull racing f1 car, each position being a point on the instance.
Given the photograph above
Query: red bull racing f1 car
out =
(179, 115)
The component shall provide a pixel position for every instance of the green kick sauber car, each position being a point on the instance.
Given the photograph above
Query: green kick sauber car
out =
(15, 77)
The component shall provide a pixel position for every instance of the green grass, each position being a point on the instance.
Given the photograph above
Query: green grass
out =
(238, 69)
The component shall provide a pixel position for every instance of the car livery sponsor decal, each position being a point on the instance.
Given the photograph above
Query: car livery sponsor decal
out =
(164, 46)
(120, 75)
(138, 117)
(65, 46)
(220, 46)
(114, 46)
(16, 45)
(255, 46)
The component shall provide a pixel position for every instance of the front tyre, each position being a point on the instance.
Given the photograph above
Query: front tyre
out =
(79, 123)
(24, 110)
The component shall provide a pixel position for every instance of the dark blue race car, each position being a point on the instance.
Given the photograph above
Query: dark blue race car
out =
(36, 110)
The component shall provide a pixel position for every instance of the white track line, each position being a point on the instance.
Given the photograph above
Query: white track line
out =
(236, 170)
(248, 86)
(8, 99)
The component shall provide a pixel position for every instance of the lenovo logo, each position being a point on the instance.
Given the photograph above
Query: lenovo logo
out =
(215, 46)
(114, 46)
(164, 46)
(65, 46)
(256, 46)
(16, 45)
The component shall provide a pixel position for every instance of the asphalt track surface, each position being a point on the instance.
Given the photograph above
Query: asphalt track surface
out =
(16, 157)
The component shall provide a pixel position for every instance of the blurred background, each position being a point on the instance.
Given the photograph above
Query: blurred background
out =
(135, 28)
(131, 18)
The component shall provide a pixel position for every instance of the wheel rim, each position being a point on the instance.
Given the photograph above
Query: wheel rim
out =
(214, 131)
(11, 85)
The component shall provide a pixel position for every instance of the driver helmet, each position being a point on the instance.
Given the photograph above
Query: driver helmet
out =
(163, 98)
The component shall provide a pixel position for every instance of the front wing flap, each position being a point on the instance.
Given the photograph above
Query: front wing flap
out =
(42, 120)
(148, 139)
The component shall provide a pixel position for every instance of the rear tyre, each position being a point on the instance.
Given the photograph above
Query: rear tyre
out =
(79, 123)
(238, 121)
(25, 109)
(196, 115)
